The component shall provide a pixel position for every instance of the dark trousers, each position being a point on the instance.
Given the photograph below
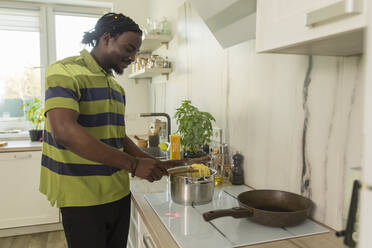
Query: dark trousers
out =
(101, 226)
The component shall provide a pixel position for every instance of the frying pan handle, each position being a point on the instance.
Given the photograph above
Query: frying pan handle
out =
(233, 212)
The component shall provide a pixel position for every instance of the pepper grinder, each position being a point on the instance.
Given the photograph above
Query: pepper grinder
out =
(237, 170)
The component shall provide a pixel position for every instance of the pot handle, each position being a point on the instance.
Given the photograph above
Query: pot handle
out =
(233, 212)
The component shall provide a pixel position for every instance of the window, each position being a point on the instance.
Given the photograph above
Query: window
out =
(32, 37)
(69, 33)
(19, 63)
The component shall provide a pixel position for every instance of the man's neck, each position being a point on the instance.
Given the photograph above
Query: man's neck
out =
(97, 55)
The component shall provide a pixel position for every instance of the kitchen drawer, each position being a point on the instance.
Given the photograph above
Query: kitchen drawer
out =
(282, 27)
(19, 156)
(133, 227)
(133, 214)
(144, 238)
(147, 241)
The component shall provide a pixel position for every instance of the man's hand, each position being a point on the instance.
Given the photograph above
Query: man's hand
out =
(148, 169)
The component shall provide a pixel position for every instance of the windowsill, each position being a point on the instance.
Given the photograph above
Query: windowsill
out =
(15, 136)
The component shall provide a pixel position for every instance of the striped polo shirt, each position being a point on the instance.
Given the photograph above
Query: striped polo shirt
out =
(80, 84)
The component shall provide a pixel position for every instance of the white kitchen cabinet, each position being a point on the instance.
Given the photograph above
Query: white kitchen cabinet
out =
(133, 228)
(21, 202)
(365, 224)
(139, 236)
(318, 27)
(144, 239)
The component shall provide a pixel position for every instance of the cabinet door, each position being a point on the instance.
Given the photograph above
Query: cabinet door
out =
(281, 26)
(366, 195)
(22, 204)
(144, 237)
(133, 227)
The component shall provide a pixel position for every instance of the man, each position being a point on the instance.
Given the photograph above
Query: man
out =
(86, 153)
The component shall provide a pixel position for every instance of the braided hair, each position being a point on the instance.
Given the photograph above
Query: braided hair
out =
(112, 23)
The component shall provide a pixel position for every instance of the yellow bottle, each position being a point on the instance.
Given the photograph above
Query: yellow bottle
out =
(175, 146)
(217, 164)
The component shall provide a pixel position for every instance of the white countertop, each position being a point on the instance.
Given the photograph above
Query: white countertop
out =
(163, 238)
(21, 146)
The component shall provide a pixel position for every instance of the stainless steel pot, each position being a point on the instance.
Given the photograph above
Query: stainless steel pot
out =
(188, 190)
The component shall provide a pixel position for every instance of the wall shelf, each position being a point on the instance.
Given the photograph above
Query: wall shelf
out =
(151, 42)
(150, 73)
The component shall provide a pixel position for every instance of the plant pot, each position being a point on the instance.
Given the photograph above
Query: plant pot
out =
(35, 135)
(195, 155)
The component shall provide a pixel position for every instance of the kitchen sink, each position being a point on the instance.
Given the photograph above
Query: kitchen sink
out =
(155, 152)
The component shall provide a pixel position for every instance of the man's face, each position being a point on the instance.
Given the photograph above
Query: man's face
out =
(122, 49)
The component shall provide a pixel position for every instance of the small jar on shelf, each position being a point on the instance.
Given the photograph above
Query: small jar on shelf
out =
(166, 63)
(159, 62)
(143, 62)
(151, 61)
(137, 65)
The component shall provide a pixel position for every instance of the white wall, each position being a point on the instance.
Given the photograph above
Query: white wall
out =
(137, 95)
(258, 100)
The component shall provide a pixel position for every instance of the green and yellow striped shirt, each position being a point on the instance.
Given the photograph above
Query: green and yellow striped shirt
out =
(80, 84)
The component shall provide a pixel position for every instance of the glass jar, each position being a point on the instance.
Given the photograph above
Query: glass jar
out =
(216, 163)
(137, 65)
(159, 62)
(165, 26)
(166, 63)
(151, 61)
(143, 63)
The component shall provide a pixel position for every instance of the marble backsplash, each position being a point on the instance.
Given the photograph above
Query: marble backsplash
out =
(299, 135)
(299, 127)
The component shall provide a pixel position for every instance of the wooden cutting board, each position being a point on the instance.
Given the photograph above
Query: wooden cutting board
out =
(3, 143)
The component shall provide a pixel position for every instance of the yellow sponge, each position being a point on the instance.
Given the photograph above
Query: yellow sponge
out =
(203, 171)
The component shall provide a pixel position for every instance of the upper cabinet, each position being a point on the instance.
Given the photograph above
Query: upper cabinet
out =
(230, 21)
(317, 27)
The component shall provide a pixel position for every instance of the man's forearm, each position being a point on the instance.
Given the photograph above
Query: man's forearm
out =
(80, 142)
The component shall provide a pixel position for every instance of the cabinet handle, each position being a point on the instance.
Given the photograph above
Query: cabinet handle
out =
(349, 233)
(336, 10)
(148, 241)
(22, 156)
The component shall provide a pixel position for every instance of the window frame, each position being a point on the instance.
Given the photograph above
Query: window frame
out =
(48, 9)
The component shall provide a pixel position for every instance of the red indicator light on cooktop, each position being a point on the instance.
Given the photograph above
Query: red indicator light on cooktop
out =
(172, 216)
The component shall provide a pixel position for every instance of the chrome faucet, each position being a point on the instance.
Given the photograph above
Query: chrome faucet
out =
(160, 114)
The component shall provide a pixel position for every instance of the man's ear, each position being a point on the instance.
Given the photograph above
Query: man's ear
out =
(105, 38)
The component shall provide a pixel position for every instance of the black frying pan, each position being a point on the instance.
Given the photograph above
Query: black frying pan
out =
(268, 207)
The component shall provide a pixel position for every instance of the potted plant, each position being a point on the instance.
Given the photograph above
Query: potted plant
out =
(194, 127)
(34, 112)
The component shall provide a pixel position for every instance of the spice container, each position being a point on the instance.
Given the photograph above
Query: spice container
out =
(159, 62)
(143, 62)
(166, 63)
(151, 61)
(137, 64)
